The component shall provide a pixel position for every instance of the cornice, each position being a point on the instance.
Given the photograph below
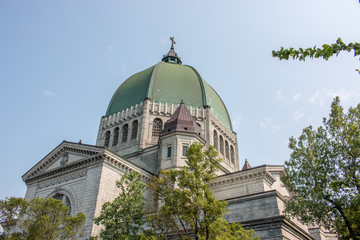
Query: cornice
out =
(58, 151)
(64, 169)
(80, 164)
(122, 165)
(241, 176)
(223, 130)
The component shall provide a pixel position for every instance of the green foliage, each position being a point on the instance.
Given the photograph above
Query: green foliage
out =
(10, 210)
(324, 173)
(327, 51)
(187, 203)
(222, 230)
(123, 218)
(40, 219)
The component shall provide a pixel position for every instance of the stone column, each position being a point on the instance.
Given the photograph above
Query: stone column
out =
(144, 126)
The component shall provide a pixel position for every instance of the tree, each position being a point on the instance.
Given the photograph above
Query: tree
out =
(222, 230)
(188, 203)
(327, 51)
(47, 219)
(323, 173)
(123, 218)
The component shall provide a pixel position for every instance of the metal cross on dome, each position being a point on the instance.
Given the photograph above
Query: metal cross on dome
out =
(172, 42)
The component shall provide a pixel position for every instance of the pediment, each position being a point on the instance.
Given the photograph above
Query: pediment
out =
(66, 158)
(63, 155)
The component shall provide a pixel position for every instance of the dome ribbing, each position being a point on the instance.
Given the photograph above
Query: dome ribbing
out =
(169, 83)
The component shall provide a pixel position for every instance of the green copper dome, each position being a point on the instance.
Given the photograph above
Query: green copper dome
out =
(169, 83)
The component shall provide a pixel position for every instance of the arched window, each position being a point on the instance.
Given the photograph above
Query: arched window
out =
(232, 154)
(116, 136)
(221, 145)
(125, 130)
(107, 139)
(134, 129)
(157, 127)
(65, 200)
(215, 140)
(227, 149)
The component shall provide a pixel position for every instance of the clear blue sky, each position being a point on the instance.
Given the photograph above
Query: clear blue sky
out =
(61, 61)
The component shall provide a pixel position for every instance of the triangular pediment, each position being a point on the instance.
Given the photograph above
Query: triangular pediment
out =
(63, 155)
(66, 158)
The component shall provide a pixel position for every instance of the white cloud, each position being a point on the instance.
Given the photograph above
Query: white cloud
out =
(267, 123)
(48, 93)
(264, 124)
(326, 95)
(280, 96)
(342, 93)
(314, 97)
(297, 96)
(297, 114)
(236, 122)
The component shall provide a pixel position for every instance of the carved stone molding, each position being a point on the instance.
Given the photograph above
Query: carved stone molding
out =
(66, 168)
(220, 130)
(63, 179)
(269, 179)
(59, 153)
(65, 159)
(124, 167)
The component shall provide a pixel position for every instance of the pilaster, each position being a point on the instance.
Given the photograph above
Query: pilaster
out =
(144, 129)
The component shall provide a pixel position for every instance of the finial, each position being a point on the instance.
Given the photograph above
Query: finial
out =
(172, 42)
(246, 165)
(171, 56)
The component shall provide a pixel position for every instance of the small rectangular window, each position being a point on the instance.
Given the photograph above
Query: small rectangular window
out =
(169, 152)
(184, 150)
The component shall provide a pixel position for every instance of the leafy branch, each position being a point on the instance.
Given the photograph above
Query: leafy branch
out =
(325, 52)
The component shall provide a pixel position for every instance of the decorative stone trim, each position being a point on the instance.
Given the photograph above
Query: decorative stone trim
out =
(123, 116)
(63, 179)
(253, 196)
(165, 109)
(269, 179)
(65, 159)
(220, 130)
(63, 169)
(58, 154)
(124, 167)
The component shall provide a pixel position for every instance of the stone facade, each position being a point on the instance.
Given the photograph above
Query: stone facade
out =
(87, 174)
(133, 140)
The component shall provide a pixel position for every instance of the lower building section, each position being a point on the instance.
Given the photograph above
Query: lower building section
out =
(262, 212)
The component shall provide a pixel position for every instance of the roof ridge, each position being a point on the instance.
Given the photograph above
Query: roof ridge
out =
(202, 86)
(149, 93)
